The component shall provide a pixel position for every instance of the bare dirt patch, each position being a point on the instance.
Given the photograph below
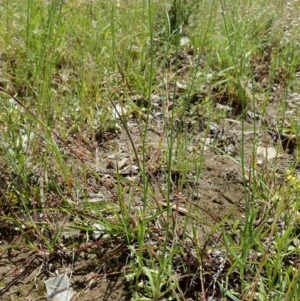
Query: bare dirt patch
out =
(215, 133)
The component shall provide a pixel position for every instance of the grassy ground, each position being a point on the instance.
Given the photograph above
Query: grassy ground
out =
(153, 145)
